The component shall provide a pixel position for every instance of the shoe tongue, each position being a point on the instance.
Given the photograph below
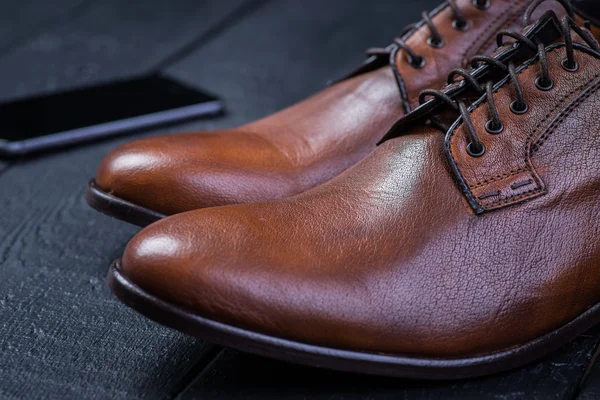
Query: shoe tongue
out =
(545, 30)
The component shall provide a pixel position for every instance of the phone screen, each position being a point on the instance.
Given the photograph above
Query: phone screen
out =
(69, 111)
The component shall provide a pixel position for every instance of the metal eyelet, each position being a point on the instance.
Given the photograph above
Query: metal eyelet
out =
(475, 154)
(482, 4)
(519, 108)
(460, 26)
(418, 62)
(436, 44)
(489, 127)
(565, 65)
(539, 83)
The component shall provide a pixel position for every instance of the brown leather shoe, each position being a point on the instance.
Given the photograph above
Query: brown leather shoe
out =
(309, 143)
(441, 255)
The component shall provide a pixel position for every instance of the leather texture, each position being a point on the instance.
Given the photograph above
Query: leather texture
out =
(506, 174)
(391, 257)
(306, 144)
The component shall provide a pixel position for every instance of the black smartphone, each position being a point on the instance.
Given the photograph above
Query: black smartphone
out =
(67, 118)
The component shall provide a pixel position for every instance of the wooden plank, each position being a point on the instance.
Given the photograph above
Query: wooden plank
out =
(61, 332)
(296, 47)
(62, 335)
(111, 39)
(235, 375)
(590, 384)
(20, 20)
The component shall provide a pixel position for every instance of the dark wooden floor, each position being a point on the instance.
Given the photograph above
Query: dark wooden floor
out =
(62, 335)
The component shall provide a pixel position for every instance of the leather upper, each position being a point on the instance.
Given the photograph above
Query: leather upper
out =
(393, 255)
(506, 174)
(283, 154)
(308, 143)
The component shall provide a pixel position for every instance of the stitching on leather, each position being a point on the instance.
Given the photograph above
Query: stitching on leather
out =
(489, 180)
(407, 101)
(535, 131)
(559, 105)
(552, 128)
(400, 79)
(491, 27)
(469, 194)
(498, 177)
(520, 196)
(490, 39)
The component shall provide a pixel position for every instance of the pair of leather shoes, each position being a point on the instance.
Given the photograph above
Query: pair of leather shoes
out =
(461, 243)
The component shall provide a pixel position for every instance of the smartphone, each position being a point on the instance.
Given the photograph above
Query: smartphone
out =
(71, 117)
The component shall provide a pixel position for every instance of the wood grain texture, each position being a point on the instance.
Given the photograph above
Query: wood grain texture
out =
(590, 384)
(4, 165)
(235, 375)
(24, 19)
(296, 46)
(110, 39)
(62, 335)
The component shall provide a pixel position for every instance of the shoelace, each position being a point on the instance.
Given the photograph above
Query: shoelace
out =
(459, 22)
(519, 106)
(435, 40)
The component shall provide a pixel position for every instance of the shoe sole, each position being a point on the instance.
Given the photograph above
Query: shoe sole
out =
(343, 360)
(116, 207)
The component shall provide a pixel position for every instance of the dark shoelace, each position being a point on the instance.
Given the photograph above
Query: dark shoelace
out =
(459, 22)
(435, 39)
(519, 105)
(536, 3)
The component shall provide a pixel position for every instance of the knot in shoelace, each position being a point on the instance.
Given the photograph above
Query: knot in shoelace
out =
(519, 106)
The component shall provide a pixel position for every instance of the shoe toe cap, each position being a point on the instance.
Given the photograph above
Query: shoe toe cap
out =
(215, 264)
(177, 173)
(143, 172)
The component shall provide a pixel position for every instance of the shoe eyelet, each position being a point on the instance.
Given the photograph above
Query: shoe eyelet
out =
(519, 108)
(566, 67)
(482, 4)
(418, 62)
(460, 26)
(472, 151)
(436, 44)
(539, 83)
(489, 127)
